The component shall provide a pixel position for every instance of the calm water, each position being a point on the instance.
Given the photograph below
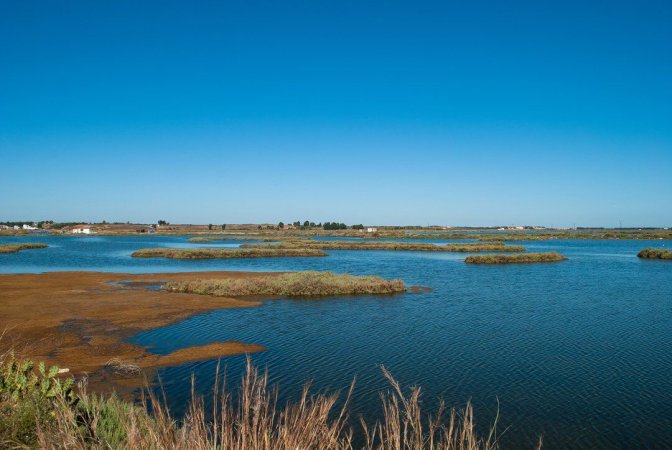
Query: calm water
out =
(580, 351)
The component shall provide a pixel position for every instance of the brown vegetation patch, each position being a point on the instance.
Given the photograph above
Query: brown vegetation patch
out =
(13, 248)
(225, 253)
(655, 253)
(522, 258)
(298, 284)
(391, 246)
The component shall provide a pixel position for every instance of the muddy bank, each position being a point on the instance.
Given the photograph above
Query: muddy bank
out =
(82, 320)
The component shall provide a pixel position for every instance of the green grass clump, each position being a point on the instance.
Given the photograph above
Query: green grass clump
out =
(299, 284)
(655, 253)
(224, 253)
(395, 246)
(13, 248)
(522, 258)
(29, 397)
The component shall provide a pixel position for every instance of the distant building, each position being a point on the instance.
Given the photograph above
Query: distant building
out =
(28, 227)
(81, 231)
(372, 230)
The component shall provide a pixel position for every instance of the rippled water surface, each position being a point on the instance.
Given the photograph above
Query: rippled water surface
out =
(580, 351)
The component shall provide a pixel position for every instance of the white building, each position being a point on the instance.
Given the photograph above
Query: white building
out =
(28, 227)
(372, 230)
(81, 231)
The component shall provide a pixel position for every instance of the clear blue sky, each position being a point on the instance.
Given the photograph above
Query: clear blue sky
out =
(456, 113)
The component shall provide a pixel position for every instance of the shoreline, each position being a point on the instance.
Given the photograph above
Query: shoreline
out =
(83, 320)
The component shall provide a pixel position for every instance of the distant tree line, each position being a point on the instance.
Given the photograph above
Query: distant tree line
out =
(326, 225)
(334, 226)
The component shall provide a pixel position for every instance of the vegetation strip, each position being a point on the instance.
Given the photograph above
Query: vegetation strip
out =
(655, 253)
(42, 409)
(13, 248)
(224, 253)
(394, 246)
(522, 258)
(231, 238)
(300, 284)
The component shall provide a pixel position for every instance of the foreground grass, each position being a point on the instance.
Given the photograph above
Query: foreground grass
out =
(655, 253)
(394, 246)
(522, 258)
(13, 248)
(300, 284)
(224, 253)
(58, 418)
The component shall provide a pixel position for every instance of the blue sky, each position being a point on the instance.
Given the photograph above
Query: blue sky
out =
(455, 113)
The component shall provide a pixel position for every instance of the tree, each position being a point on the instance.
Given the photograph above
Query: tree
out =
(334, 226)
(358, 227)
(210, 227)
(281, 225)
(223, 226)
(306, 224)
(162, 222)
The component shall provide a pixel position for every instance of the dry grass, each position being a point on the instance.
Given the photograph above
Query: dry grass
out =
(224, 253)
(257, 420)
(299, 284)
(522, 258)
(393, 246)
(13, 248)
(655, 253)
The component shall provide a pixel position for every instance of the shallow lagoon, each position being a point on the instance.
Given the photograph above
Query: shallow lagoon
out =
(577, 350)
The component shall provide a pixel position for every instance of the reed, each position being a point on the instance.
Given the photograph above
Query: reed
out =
(13, 248)
(224, 253)
(251, 417)
(522, 258)
(655, 253)
(299, 284)
(390, 246)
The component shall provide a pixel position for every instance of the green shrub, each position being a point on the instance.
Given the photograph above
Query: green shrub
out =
(28, 398)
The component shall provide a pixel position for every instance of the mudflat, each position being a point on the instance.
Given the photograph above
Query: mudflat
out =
(82, 320)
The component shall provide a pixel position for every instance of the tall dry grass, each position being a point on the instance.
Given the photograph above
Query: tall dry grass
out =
(256, 420)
